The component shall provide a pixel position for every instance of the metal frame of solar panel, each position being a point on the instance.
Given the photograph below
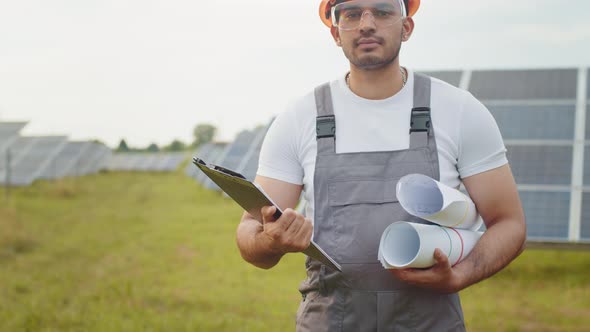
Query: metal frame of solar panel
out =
(537, 112)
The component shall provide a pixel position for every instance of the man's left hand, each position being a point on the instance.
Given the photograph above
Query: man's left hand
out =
(441, 277)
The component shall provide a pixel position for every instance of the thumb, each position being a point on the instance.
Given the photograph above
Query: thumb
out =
(267, 213)
(440, 258)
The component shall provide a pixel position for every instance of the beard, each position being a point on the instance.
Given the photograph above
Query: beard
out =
(372, 62)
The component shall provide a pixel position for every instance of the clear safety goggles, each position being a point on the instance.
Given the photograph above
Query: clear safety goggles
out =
(349, 15)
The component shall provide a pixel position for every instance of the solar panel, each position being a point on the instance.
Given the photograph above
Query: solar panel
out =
(547, 214)
(190, 170)
(34, 162)
(451, 77)
(585, 227)
(18, 150)
(213, 158)
(587, 165)
(175, 161)
(235, 152)
(116, 162)
(546, 165)
(146, 162)
(101, 160)
(233, 155)
(89, 159)
(64, 161)
(588, 121)
(9, 133)
(149, 162)
(524, 84)
(249, 165)
(129, 160)
(535, 121)
(202, 152)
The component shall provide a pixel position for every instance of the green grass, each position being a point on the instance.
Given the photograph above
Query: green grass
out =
(155, 252)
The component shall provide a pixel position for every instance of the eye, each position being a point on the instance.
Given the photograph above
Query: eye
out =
(383, 13)
(352, 14)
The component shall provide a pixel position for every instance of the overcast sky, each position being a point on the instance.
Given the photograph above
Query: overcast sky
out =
(149, 71)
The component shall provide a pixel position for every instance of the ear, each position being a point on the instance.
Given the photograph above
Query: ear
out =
(336, 35)
(407, 28)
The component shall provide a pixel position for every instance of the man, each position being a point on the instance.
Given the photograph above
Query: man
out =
(346, 145)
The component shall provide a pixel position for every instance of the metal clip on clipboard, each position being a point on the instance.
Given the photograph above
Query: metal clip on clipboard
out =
(252, 198)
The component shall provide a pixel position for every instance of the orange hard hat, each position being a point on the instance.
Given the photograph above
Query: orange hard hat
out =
(326, 8)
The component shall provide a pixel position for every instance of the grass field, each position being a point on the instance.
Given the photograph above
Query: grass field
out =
(155, 252)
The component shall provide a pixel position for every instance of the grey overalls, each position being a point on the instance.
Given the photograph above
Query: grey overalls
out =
(355, 201)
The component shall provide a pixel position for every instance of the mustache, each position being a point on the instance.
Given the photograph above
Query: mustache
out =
(375, 38)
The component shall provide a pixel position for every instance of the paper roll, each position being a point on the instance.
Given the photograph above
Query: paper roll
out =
(426, 198)
(411, 245)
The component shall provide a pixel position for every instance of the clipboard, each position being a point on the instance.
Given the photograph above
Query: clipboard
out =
(252, 198)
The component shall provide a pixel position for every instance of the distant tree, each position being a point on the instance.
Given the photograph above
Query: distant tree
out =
(153, 148)
(123, 147)
(176, 145)
(203, 133)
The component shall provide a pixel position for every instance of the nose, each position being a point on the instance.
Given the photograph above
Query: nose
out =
(367, 22)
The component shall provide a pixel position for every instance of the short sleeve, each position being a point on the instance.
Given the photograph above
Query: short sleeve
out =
(279, 156)
(481, 147)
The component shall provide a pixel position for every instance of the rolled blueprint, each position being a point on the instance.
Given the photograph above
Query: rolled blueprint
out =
(426, 198)
(411, 245)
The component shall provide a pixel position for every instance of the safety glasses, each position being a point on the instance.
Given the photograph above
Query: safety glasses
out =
(384, 13)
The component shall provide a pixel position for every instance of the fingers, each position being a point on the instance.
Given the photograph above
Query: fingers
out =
(440, 259)
(304, 234)
(290, 233)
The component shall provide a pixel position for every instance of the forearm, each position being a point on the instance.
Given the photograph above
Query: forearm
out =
(254, 246)
(501, 243)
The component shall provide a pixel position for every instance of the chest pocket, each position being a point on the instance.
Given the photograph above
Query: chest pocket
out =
(360, 212)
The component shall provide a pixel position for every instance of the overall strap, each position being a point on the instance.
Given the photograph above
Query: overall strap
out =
(420, 123)
(325, 121)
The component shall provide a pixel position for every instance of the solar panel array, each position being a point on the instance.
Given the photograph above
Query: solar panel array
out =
(240, 156)
(538, 113)
(45, 157)
(146, 162)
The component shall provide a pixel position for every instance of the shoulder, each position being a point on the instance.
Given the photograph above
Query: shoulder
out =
(448, 93)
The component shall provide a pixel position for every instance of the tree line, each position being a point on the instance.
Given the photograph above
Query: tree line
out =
(202, 134)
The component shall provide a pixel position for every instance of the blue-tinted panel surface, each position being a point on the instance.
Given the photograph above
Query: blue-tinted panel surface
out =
(549, 165)
(587, 165)
(535, 122)
(451, 77)
(585, 231)
(524, 84)
(547, 213)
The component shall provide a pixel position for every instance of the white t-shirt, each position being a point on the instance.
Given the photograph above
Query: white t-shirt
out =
(467, 136)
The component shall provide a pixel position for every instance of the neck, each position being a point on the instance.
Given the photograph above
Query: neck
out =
(376, 84)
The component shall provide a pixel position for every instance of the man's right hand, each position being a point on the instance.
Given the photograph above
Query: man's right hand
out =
(290, 233)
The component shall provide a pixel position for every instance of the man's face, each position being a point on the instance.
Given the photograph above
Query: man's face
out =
(376, 42)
